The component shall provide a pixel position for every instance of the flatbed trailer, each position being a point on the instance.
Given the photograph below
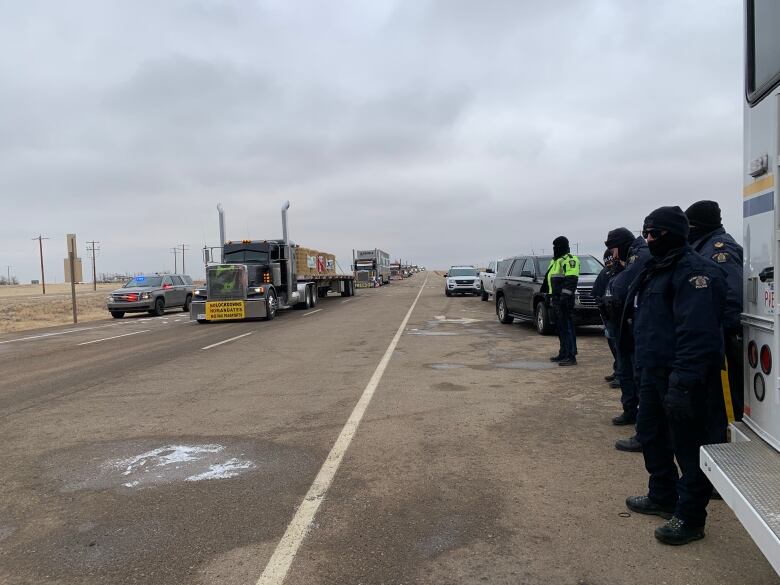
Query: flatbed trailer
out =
(257, 278)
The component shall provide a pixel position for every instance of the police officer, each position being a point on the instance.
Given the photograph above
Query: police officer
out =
(708, 237)
(677, 304)
(562, 277)
(612, 267)
(633, 253)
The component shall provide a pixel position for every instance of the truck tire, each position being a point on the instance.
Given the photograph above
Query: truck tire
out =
(322, 292)
(542, 319)
(159, 307)
(186, 306)
(313, 295)
(349, 289)
(306, 303)
(503, 312)
(271, 306)
(117, 314)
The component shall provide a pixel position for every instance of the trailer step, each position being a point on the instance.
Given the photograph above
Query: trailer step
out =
(747, 475)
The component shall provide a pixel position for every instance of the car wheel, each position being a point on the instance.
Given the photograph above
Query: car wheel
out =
(542, 320)
(271, 306)
(186, 306)
(117, 314)
(159, 307)
(503, 311)
(447, 292)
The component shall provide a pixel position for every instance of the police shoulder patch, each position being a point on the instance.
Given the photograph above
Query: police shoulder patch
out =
(719, 244)
(720, 257)
(632, 259)
(572, 263)
(699, 281)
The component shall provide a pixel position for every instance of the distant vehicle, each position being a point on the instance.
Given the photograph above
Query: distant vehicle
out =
(151, 293)
(372, 268)
(487, 276)
(257, 278)
(462, 280)
(518, 293)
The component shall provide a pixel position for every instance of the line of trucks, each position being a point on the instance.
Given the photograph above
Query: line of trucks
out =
(254, 279)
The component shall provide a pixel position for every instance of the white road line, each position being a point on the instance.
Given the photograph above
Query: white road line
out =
(284, 554)
(114, 337)
(42, 335)
(311, 313)
(342, 302)
(226, 340)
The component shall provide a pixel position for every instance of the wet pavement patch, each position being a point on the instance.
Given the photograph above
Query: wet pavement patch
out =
(445, 366)
(526, 365)
(449, 387)
(432, 333)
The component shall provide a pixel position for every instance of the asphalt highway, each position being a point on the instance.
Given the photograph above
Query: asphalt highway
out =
(398, 436)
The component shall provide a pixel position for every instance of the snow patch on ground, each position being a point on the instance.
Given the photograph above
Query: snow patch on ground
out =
(225, 470)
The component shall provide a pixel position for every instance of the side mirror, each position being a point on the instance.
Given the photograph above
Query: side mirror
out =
(206, 255)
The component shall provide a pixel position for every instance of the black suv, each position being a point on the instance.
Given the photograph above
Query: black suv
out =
(518, 293)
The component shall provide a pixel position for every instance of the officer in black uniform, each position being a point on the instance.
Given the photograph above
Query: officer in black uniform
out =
(632, 251)
(677, 304)
(709, 238)
(611, 268)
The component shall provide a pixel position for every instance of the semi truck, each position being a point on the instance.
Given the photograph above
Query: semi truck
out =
(256, 278)
(371, 267)
(746, 471)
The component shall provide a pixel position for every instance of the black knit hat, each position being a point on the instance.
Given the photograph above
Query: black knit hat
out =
(561, 242)
(671, 219)
(618, 237)
(705, 214)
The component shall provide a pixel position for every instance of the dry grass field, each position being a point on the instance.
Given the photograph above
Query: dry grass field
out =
(23, 306)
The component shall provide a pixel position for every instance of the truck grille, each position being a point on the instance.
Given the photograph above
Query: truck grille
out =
(586, 296)
(127, 298)
(464, 281)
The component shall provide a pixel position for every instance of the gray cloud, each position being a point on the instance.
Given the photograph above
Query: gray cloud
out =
(441, 131)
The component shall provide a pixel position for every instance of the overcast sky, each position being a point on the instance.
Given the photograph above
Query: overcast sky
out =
(442, 131)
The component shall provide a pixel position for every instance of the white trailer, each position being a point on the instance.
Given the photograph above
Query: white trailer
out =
(371, 268)
(746, 472)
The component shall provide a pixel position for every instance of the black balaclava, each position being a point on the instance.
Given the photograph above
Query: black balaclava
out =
(620, 238)
(703, 217)
(560, 246)
(674, 221)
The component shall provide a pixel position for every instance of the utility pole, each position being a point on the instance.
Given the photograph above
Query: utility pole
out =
(40, 239)
(8, 268)
(175, 252)
(183, 248)
(71, 240)
(93, 249)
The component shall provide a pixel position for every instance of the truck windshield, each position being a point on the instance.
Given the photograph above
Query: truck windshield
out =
(246, 257)
(144, 281)
(463, 272)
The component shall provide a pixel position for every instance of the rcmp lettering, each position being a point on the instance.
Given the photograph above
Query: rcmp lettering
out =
(699, 281)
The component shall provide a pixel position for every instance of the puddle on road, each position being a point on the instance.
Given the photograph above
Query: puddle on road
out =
(445, 366)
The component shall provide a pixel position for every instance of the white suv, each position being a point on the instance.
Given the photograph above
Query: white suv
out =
(486, 278)
(462, 279)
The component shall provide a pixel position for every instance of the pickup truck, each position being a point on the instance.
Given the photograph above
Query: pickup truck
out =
(487, 276)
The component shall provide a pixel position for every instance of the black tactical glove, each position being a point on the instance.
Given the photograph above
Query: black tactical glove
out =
(678, 404)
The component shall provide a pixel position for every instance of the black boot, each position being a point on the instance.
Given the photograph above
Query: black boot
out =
(557, 358)
(624, 419)
(644, 505)
(609, 378)
(677, 532)
(614, 384)
(631, 444)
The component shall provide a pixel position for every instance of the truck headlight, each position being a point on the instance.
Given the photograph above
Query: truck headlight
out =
(109, 299)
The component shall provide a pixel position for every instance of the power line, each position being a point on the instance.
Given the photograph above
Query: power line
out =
(40, 239)
(175, 252)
